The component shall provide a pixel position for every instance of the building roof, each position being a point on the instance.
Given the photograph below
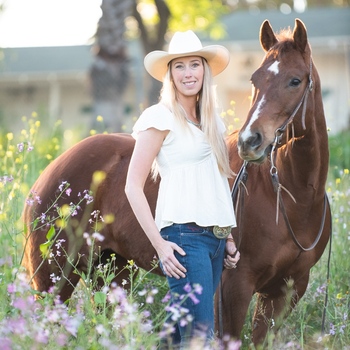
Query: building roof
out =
(320, 22)
(43, 60)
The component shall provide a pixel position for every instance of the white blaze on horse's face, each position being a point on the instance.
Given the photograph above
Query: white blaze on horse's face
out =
(274, 67)
(247, 133)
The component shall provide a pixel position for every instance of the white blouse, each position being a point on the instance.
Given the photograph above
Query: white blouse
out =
(192, 189)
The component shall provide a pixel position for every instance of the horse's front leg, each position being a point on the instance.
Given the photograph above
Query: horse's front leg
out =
(272, 307)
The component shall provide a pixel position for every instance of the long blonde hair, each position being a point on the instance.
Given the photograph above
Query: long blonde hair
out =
(206, 108)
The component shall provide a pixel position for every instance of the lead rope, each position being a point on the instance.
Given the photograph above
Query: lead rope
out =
(236, 195)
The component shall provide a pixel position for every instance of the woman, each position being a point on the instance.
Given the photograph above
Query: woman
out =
(181, 140)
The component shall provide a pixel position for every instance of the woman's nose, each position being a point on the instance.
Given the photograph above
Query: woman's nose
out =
(188, 72)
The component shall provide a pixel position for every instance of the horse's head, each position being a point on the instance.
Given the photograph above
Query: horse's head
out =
(278, 90)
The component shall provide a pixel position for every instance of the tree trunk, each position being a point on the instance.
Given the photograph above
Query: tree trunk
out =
(109, 72)
(157, 43)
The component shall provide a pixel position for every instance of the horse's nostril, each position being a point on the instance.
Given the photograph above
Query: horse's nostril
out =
(255, 140)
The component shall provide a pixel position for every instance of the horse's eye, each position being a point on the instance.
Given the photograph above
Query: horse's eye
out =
(295, 82)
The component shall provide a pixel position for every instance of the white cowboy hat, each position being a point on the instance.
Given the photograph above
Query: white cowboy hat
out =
(186, 44)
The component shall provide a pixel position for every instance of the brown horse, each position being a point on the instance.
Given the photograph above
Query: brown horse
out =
(284, 222)
(268, 254)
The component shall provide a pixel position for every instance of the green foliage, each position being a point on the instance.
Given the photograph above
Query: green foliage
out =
(200, 14)
(187, 14)
(339, 146)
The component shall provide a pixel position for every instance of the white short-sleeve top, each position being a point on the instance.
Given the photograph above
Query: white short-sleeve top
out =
(191, 189)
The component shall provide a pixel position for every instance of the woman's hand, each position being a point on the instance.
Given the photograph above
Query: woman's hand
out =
(233, 255)
(171, 265)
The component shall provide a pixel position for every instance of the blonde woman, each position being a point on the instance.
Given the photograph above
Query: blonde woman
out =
(181, 139)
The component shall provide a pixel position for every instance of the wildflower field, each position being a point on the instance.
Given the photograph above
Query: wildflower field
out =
(111, 318)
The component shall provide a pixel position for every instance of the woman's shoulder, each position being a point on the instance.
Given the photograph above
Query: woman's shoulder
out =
(156, 116)
(158, 108)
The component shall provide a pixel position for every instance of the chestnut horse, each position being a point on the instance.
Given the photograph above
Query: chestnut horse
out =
(284, 222)
(60, 211)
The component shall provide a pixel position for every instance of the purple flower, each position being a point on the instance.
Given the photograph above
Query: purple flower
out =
(32, 198)
(149, 299)
(20, 147)
(198, 288)
(42, 336)
(62, 185)
(42, 218)
(30, 201)
(98, 237)
(20, 304)
(320, 290)
(61, 339)
(88, 197)
(11, 288)
(29, 147)
(187, 288)
(88, 239)
(72, 325)
(6, 178)
(6, 344)
(234, 345)
(194, 299)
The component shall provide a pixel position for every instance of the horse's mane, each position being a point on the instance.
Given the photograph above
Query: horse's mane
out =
(284, 34)
(285, 41)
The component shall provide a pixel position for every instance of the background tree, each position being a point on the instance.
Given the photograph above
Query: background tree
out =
(109, 72)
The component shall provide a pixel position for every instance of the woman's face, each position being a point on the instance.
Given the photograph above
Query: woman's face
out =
(187, 74)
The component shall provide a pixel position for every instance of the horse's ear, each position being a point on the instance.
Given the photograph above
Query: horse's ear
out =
(267, 36)
(300, 35)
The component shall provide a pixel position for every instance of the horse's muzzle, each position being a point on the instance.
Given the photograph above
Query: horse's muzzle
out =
(250, 148)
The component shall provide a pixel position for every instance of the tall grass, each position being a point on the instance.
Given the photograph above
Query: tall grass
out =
(116, 319)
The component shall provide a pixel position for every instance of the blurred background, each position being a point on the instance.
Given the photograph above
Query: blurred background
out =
(80, 62)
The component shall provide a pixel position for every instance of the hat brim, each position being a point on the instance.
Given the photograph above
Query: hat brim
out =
(217, 56)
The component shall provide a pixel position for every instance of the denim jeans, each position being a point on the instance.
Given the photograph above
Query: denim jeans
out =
(204, 263)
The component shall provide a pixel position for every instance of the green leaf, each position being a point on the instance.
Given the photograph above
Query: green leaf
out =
(50, 233)
(100, 298)
(44, 248)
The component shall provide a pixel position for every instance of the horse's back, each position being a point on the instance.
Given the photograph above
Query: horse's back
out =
(77, 165)
(67, 180)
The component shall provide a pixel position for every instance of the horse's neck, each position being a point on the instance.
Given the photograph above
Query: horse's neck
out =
(305, 162)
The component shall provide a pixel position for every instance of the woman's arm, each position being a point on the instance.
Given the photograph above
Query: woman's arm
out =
(147, 147)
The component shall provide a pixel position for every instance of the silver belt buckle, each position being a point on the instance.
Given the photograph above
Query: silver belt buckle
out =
(221, 232)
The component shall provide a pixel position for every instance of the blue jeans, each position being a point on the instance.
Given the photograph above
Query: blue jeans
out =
(204, 263)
